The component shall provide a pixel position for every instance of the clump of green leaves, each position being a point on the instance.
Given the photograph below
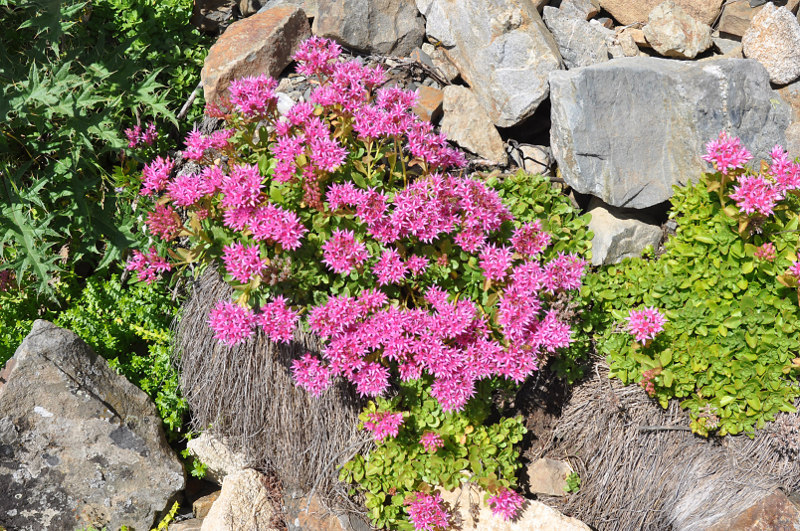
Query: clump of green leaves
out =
(573, 483)
(730, 347)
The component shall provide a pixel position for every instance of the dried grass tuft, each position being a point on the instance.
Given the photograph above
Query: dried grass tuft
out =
(642, 469)
(246, 395)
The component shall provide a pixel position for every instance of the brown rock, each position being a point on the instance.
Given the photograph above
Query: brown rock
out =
(313, 516)
(467, 124)
(627, 42)
(210, 15)
(793, 140)
(672, 32)
(201, 506)
(605, 22)
(429, 103)
(638, 37)
(791, 95)
(773, 512)
(773, 39)
(736, 16)
(548, 476)
(192, 524)
(219, 459)
(443, 64)
(243, 505)
(261, 44)
(249, 7)
(631, 11)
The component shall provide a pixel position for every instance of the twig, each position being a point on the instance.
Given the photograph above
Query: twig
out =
(185, 109)
(664, 428)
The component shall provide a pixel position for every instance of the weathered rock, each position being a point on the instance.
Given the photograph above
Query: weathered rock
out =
(537, 160)
(534, 515)
(674, 33)
(638, 37)
(627, 130)
(773, 39)
(793, 140)
(774, 511)
(202, 505)
(728, 47)
(429, 103)
(249, 7)
(441, 62)
(791, 95)
(548, 477)
(261, 44)
(192, 524)
(627, 42)
(736, 16)
(391, 27)
(243, 505)
(619, 234)
(606, 22)
(220, 460)
(468, 125)
(210, 15)
(79, 444)
(304, 515)
(579, 42)
(309, 7)
(584, 9)
(503, 51)
(631, 11)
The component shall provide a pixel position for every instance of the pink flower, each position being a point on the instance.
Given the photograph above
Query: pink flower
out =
(150, 134)
(389, 268)
(275, 224)
(342, 252)
(372, 379)
(147, 266)
(187, 189)
(645, 324)
(277, 320)
(765, 252)
(383, 425)
(417, 264)
(164, 222)
(242, 263)
(495, 262)
(310, 374)
(196, 145)
(315, 55)
(242, 187)
(755, 194)
(564, 272)
(426, 513)
(133, 136)
(253, 96)
(794, 270)
(529, 240)
(726, 153)
(506, 503)
(155, 175)
(343, 195)
(431, 441)
(231, 323)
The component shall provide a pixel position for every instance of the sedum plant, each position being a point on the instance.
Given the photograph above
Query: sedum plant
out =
(351, 214)
(724, 292)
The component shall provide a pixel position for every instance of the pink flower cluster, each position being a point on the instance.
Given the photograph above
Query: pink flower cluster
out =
(426, 513)
(383, 425)
(310, 374)
(645, 324)
(233, 324)
(137, 136)
(147, 266)
(343, 253)
(766, 252)
(794, 270)
(506, 503)
(243, 263)
(431, 441)
(197, 144)
(726, 153)
(253, 97)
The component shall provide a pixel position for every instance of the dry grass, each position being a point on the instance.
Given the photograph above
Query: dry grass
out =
(246, 395)
(642, 469)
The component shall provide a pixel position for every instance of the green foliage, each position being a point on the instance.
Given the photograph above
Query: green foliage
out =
(130, 327)
(733, 329)
(573, 483)
(163, 525)
(473, 452)
(73, 75)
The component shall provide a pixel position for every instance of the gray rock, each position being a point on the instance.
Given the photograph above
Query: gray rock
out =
(672, 32)
(773, 39)
(220, 460)
(391, 27)
(584, 9)
(728, 47)
(79, 444)
(579, 42)
(619, 234)
(437, 23)
(309, 7)
(537, 160)
(793, 140)
(627, 130)
(212, 15)
(245, 503)
(503, 51)
(548, 477)
(467, 124)
(440, 61)
(627, 42)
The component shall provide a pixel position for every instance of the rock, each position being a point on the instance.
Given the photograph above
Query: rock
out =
(309, 7)
(391, 27)
(584, 9)
(728, 47)
(437, 22)
(202, 506)
(548, 477)
(606, 22)
(503, 51)
(261, 44)
(429, 103)
(791, 95)
(244, 504)
(249, 7)
(441, 62)
(618, 234)
(537, 160)
(736, 16)
(192, 524)
(774, 511)
(674, 33)
(579, 42)
(474, 515)
(773, 39)
(631, 11)
(220, 460)
(79, 444)
(211, 15)
(468, 125)
(793, 140)
(638, 37)
(627, 42)
(302, 515)
(627, 130)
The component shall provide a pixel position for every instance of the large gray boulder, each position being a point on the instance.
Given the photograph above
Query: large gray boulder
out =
(380, 26)
(79, 444)
(627, 130)
(502, 50)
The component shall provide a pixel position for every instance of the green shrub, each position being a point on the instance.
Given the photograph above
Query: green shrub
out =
(732, 328)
